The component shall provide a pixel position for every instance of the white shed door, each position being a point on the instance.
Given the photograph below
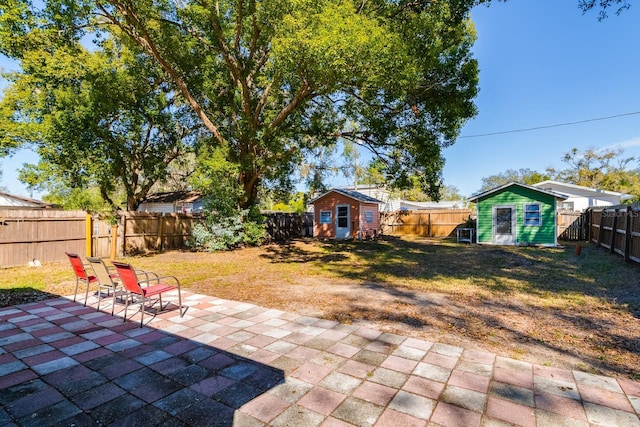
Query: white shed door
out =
(343, 227)
(504, 225)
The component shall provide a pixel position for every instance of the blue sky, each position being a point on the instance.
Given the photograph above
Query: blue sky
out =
(542, 63)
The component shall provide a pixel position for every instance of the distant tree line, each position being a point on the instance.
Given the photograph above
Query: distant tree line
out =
(604, 169)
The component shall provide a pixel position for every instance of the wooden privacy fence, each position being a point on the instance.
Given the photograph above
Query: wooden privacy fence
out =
(427, 223)
(572, 226)
(140, 232)
(616, 229)
(284, 226)
(44, 235)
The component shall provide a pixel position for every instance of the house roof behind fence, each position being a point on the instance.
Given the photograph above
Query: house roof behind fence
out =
(12, 201)
(173, 197)
(579, 189)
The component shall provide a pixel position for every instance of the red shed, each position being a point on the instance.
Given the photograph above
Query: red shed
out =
(344, 214)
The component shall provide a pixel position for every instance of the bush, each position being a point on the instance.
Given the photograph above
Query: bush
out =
(219, 234)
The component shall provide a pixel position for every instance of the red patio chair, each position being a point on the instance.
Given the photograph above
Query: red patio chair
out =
(81, 275)
(133, 286)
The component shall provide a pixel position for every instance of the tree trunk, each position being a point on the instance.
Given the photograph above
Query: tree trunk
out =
(132, 203)
(250, 181)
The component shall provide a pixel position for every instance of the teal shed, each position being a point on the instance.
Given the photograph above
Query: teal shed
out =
(517, 214)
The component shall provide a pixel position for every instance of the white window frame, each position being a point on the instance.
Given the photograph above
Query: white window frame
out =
(538, 211)
(323, 217)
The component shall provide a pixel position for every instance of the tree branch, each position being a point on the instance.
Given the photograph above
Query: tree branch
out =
(304, 92)
(143, 39)
(236, 70)
(262, 101)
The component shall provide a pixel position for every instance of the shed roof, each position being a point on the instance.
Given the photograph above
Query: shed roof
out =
(475, 197)
(351, 194)
(173, 197)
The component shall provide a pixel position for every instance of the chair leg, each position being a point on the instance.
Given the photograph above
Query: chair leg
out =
(126, 306)
(180, 303)
(75, 295)
(99, 297)
(113, 304)
(86, 294)
(142, 301)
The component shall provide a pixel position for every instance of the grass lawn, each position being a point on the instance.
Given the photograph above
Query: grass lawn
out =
(545, 305)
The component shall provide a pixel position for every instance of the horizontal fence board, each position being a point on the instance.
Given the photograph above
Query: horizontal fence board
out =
(616, 228)
(42, 235)
(426, 223)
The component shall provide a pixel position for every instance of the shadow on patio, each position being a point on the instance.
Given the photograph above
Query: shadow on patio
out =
(65, 364)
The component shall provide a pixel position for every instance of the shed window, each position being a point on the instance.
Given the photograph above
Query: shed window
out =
(532, 214)
(368, 217)
(325, 217)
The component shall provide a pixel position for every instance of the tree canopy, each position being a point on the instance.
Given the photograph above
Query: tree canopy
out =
(102, 119)
(604, 6)
(523, 176)
(274, 80)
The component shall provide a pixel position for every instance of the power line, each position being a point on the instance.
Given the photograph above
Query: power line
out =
(549, 126)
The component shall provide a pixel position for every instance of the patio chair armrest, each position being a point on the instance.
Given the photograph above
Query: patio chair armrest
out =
(146, 274)
(159, 279)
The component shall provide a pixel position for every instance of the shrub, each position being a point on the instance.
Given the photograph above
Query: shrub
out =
(224, 233)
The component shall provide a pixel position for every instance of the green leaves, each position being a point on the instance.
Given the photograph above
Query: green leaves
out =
(103, 119)
(333, 46)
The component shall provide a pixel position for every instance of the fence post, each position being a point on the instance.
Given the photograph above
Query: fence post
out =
(89, 234)
(123, 248)
(599, 240)
(614, 231)
(114, 242)
(627, 235)
(587, 227)
(161, 232)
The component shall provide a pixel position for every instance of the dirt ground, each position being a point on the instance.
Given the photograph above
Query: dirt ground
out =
(599, 334)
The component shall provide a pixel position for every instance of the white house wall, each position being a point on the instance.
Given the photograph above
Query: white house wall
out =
(582, 203)
(583, 199)
(156, 207)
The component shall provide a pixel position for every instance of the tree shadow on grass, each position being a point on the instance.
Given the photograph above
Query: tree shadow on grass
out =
(110, 372)
(536, 271)
(290, 253)
(498, 321)
(526, 297)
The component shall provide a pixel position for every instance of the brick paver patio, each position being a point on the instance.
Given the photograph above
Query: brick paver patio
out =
(227, 363)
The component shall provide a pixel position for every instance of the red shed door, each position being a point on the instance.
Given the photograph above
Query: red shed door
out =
(343, 227)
